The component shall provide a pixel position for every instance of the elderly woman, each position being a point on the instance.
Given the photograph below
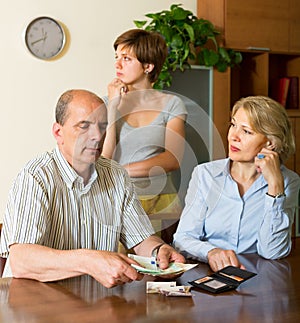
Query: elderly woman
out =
(246, 202)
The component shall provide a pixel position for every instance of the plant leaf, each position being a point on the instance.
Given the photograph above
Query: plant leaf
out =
(224, 54)
(186, 52)
(139, 23)
(237, 58)
(190, 31)
(187, 37)
(221, 66)
(210, 57)
(176, 41)
(180, 14)
(154, 16)
(167, 33)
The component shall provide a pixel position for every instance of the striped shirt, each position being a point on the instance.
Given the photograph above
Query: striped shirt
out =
(49, 205)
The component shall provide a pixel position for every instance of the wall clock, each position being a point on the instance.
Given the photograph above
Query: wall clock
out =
(45, 37)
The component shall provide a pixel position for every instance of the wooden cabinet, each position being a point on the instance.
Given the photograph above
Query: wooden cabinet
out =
(221, 109)
(294, 25)
(268, 35)
(259, 71)
(246, 26)
(269, 24)
(294, 161)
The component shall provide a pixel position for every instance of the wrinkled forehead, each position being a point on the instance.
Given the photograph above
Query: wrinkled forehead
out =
(91, 110)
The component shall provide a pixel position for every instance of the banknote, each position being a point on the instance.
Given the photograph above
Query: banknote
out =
(148, 266)
(167, 289)
(155, 287)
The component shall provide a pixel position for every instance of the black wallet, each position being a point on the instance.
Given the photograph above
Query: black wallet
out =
(226, 279)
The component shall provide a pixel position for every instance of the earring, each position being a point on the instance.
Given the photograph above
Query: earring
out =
(147, 72)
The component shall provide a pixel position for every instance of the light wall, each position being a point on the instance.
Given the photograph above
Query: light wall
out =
(30, 87)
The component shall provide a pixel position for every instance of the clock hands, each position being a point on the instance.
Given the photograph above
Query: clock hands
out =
(44, 37)
(40, 39)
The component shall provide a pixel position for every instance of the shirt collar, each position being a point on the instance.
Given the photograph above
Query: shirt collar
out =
(68, 173)
(220, 168)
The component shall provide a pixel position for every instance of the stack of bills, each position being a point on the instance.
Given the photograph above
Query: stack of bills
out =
(149, 267)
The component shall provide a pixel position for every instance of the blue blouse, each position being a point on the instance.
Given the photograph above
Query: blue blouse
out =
(215, 215)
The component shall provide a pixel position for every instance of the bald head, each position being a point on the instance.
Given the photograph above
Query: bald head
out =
(80, 129)
(71, 97)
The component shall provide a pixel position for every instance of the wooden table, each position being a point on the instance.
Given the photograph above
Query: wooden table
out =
(271, 296)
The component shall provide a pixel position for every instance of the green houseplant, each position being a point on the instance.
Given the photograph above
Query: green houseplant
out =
(189, 39)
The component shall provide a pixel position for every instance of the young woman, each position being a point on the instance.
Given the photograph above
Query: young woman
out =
(145, 126)
(245, 203)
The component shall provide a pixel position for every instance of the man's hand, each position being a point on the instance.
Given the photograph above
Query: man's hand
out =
(47, 264)
(111, 269)
(167, 254)
(219, 258)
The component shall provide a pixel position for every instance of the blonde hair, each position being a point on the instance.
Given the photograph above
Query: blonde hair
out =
(269, 118)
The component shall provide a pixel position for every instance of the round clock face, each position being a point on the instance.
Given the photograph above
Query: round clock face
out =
(45, 37)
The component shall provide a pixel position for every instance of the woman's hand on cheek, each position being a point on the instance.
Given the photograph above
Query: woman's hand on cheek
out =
(268, 163)
(116, 88)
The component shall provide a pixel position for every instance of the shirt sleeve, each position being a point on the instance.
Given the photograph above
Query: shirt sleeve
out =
(190, 231)
(274, 236)
(176, 108)
(269, 220)
(25, 214)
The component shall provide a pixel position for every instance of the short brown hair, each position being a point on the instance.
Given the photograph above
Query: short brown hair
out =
(149, 48)
(269, 118)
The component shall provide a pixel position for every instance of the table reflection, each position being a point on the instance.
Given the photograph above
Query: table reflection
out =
(267, 297)
(264, 296)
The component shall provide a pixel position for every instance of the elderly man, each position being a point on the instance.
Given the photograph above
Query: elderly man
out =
(68, 209)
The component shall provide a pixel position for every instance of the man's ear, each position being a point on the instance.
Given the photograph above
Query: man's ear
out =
(57, 132)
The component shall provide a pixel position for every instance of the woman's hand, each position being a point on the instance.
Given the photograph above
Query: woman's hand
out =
(116, 88)
(268, 163)
(220, 258)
